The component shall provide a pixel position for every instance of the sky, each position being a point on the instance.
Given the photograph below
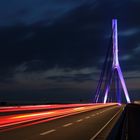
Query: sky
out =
(53, 50)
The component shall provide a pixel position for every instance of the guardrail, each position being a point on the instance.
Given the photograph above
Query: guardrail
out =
(128, 125)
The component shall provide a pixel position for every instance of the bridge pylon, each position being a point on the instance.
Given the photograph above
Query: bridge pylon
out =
(116, 69)
(111, 72)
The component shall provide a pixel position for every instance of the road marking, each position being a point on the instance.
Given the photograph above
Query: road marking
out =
(79, 120)
(66, 125)
(87, 117)
(93, 115)
(47, 132)
(105, 126)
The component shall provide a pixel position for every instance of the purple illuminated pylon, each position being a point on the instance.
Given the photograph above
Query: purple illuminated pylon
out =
(116, 66)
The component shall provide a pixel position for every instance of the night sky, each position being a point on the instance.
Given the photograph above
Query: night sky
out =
(53, 50)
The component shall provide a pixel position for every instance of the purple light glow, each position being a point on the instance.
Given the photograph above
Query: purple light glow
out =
(115, 44)
(106, 94)
(123, 85)
(115, 65)
(97, 98)
(119, 104)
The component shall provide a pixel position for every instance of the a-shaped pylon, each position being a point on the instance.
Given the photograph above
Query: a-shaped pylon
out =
(116, 69)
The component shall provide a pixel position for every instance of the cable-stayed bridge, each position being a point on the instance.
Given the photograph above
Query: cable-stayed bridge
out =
(106, 118)
(111, 76)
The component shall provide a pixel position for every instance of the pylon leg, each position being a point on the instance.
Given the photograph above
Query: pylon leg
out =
(118, 93)
(108, 87)
(123, 84)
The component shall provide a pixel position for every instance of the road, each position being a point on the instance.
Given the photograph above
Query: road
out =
(84, 125)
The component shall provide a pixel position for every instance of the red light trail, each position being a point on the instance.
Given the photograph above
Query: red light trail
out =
(26, 119)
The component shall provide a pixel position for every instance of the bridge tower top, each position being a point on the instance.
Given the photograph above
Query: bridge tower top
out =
(115, 43)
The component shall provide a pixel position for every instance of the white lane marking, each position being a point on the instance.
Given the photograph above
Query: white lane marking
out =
(87, 117)
(47, 132)
(104, 126)
(79, 120)
(93, 115)
(66, 125)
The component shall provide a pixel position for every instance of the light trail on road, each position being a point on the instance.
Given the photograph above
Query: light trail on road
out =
(30, 118)
(40, 107)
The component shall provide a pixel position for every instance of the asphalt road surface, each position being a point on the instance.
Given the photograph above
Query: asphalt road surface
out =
(82, 126)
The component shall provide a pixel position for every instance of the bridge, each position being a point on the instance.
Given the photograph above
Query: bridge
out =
(102, 119)
(111, 72)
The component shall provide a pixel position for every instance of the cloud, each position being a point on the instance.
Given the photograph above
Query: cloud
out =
(132, 74)
(132, 79)
(33, 11)
(129, 32)
(21, 73)
(137, 49)
(126, 57)
(50, 78)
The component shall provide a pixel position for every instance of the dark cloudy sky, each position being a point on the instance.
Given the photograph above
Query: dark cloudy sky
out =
(53, 50)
